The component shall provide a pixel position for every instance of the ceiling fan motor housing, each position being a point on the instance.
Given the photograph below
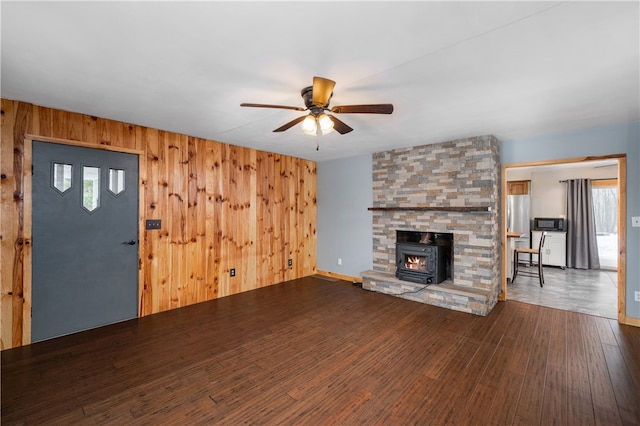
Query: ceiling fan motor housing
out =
(307, 96)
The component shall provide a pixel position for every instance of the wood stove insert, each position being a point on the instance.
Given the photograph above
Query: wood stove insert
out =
(423, 257)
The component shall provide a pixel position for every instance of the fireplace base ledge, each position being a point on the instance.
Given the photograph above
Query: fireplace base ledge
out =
(446, 294)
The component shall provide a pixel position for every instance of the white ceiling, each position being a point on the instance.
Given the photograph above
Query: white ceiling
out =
(451, 69)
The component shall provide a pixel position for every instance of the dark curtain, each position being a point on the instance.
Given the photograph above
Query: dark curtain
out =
(582, 243)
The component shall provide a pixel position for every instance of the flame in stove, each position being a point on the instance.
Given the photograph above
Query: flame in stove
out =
(415, 262)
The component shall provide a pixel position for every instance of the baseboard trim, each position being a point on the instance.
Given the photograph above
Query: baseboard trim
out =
(635, 322)
(339, 276)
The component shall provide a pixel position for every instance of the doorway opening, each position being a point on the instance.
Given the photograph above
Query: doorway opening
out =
(548, 199)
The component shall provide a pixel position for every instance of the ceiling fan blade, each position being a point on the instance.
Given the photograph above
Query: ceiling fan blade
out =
(272, 106)
(290, 124)
(339, 126)
(363, 109)
(322, 90)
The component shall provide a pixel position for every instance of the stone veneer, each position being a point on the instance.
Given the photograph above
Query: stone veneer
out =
(459, 173)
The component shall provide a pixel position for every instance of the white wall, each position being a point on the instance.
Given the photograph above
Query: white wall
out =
(548, 194)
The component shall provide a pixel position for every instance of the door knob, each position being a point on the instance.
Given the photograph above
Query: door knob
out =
(130, 243)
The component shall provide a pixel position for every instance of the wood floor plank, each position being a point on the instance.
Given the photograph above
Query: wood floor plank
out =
(312, 351)
(580, 405)
(554, 404)
(603, 397)
(530, 403)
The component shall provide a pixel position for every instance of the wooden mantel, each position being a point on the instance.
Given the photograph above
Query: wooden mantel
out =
(435, 208)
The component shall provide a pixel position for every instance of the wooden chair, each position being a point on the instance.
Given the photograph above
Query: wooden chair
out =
(529, 251)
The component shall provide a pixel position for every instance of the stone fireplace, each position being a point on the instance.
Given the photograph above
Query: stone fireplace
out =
(450, 188)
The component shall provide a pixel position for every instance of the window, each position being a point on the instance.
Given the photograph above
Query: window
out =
(90, 188)
(116, 181)
(61, 177)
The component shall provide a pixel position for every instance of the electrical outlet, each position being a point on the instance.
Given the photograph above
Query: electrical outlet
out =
(339, 261)
(637, 296)
(290, 262)
(232, 272)
(635, 221)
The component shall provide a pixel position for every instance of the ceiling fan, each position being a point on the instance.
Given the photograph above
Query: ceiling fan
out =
(316, 100)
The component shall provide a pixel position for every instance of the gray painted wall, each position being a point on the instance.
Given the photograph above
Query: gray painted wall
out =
(345, 192)
(344, 223)
(621, 139)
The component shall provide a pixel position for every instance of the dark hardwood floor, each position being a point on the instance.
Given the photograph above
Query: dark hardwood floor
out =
(315, 351)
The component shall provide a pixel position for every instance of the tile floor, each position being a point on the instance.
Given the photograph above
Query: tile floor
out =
(593, 292)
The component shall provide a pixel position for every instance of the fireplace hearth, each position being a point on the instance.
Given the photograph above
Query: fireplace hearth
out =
(423, 257)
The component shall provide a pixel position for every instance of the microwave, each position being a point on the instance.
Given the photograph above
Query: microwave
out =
(549, 224)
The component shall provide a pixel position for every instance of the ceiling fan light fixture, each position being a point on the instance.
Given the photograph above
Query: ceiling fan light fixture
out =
(309, 125)
(326, 123)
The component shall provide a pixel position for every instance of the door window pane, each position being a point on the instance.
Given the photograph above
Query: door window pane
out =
(61, 176)
(116, 181)
(90, 188)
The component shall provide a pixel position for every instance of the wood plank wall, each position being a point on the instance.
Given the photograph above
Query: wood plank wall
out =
(221, 206)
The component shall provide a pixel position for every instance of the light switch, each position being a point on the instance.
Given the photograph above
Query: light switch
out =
(635, 221)
(153, 224)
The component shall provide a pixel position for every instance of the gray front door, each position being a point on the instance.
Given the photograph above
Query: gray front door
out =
(85, 239)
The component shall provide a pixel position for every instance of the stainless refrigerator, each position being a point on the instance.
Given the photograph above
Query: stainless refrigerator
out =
(519, 218)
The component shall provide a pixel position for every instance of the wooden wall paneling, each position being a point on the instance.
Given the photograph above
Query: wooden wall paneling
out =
(202, 220)
(9, 230)
(276, 215)
(75, 127)
(237, 229)
(212, 200)
(190, 290)
(289, 216)
(249, 249)
(176, 218)
(222, 214)
(241, 221)
(304, 231)
(196, 226)
(161, 211)
(43, 121)
(242, 231)
(104, 132)
(89, 129)
(290, 230)
(227, 225)
(119, 135)
(212, 226)
(237, 223)
(21, 123)
(262, 219)
(148, 298)
(273, 237)
(309, 215)
(60, 123)
(276, 237)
